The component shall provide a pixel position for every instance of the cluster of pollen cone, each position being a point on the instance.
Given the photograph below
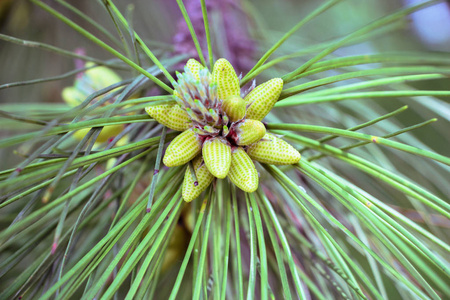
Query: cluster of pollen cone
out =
(222, 133)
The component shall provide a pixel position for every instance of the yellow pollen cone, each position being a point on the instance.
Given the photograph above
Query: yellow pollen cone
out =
(217, 157)
(204, 178)
(170, 115)
(182, 149)
(107, 132)
(249, 132)
(226, 79)
(195, 67)
(273, 150)
(263, 98)
(234, 106)
(242, 171)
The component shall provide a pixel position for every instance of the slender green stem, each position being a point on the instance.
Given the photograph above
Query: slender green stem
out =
(228, 220)
(340, 62)
(192, 31)
(366, 29)
(279, 257)
(46, 79)
(58, 50)
(203, 251)
(99, 122)
(91, 21)
(217, 250)
(237, 235)
(410, 128)
(363, 125)
(102, 44)
(261, 245)
(127, 195)
(285, 244)
(125, 45)
(370, 84)
(155, 246)
(304, 195)
(387, 71)
(192, 171)
(253, 256)
(306, 99)
(208, 35)
(132, 242)
(67, 163)
(288, 34)
(156, 171)
(424, 60)
(405, 186)
(4, 114)
(361, 136)
(130, 11)
(310, 168)
(140, 41)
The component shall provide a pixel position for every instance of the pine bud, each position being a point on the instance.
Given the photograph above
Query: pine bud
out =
(194, 66)
(182, 149)
(101, 77)
(273, 150)
(172, 116)
(226, 79)
(249, 132)
(107, 133)
(73, 96)
(204, 178)
(242, 171)
(217, 156)
(263, 98)
(234, 106)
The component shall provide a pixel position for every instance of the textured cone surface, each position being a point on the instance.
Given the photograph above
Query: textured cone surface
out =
(172, 116)
(217, 157)
(264, 97)
(226, 79)
(242, 171)
(106, 133)
(249, 132)
(178, 119)
(274, 151)
(234, 106)
(182, 149)
(204, 178)
(195, 67)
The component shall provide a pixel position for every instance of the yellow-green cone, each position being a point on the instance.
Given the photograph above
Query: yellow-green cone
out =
(273, 150)
(217, 156)
(242, 171)
(72, 96)
(101, 77)
(182, 149)
(249, 132)
(234, 106)
(195, 67)
(264, 97)
(170, 115)
(226, 79)
(204, 177)
(107, 132)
